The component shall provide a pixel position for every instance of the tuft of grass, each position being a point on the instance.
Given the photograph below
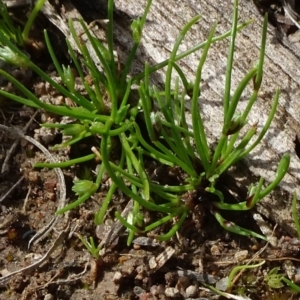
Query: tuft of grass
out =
(108, 113)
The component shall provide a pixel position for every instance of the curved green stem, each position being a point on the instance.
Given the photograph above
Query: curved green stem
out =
(125, 223)
(281, 171)
(175, 228)
(295, 213)
(237, 269)
(266, 126)
(160, 222)
(172, 58)
(66, 164)
(198, 127)
(230, 60)
(36, 9)
(137, 165)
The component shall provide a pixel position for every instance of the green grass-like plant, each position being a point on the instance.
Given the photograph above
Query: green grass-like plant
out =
(107, 112)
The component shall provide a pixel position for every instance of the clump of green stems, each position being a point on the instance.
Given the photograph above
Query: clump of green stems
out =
(183, 146)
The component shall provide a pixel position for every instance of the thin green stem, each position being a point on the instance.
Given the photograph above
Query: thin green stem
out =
(198, 127)
(180, 151)
(217, 154)
(172, 58)
(292, 285)
(236, 154)
(295, 214)
(140, 23)
(113, 132)
(266, 126)
(182, 77)
(136, 206)
(160, 222)
(146, 102)
(96, 99)
(232, 227)
(66, 164)
(99, 216)
(36, 9)
(258, 78)
(137, 165)
(179, 129)
(281, 171)
(187, 136)
(111, 80)
(74, 112)
(242, 206)
(230, 60)
(110, 37)
(53, 56)
(125, 223)
(236, 98)
(75, 204)
(237, 269)
(175, 228)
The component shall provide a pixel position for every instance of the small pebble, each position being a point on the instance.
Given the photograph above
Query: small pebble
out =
(145, 241)
(141, 273)
(215, 250)
(289, 268)
(33, 177)
(155, 290)
(138, 291)
(296, 278)
(241, 255)
(48, 297)
(152, 263)
(222, 284)
(182, 283)
(191, 291)
(172, 292)
(117, 277)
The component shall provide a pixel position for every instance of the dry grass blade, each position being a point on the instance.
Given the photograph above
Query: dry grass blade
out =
(5, 165)
(71, 278)
(289, 9)
(11, 189)
(63, 234)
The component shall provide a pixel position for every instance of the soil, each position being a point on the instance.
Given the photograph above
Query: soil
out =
(201, 253)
